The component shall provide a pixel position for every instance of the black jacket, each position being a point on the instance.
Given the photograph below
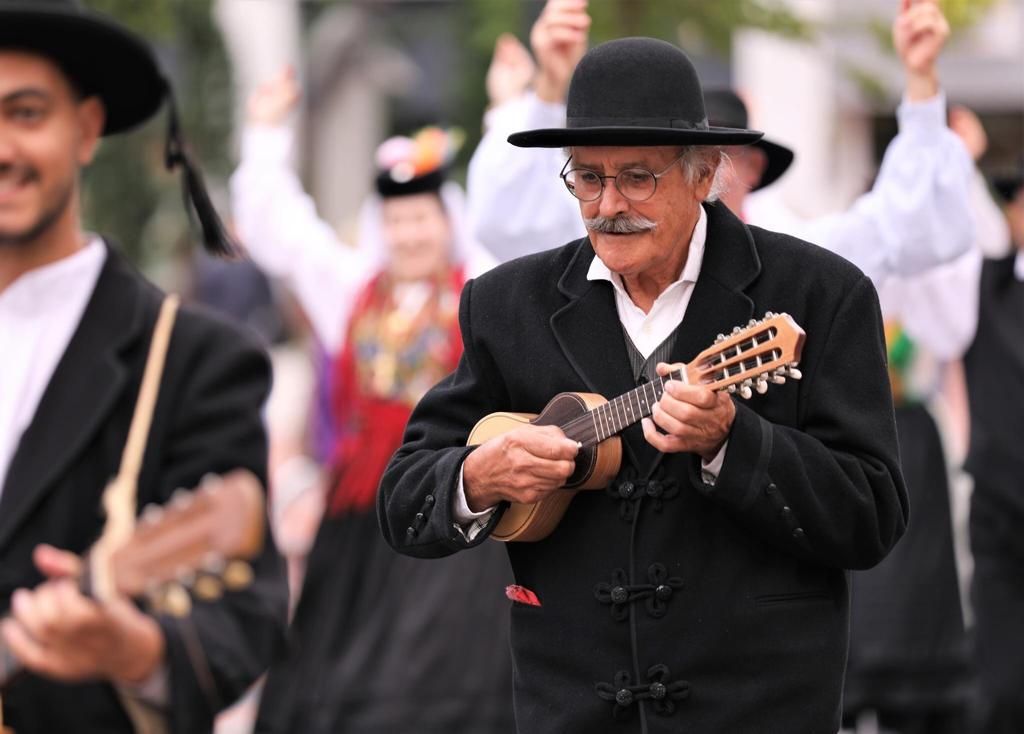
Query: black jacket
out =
(207, 419)
(751, 633)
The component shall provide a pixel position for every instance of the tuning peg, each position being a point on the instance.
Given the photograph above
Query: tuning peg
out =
(208, 588)
(761, 385)
(753, 322)
(736, 330)
(793, 372)
(769, 314)
(777, 378)
(745, 392)
(174, 600)
(720, 338)
(731, 389)
(186, 577)
(181, 499)
(237, 575)
(213, 563)
(151, 514)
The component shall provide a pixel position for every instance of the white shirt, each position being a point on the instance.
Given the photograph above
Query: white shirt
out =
(646, 330)
(913, 218)
(39, 313)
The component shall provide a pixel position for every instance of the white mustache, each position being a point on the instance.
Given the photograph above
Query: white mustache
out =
(622, 224)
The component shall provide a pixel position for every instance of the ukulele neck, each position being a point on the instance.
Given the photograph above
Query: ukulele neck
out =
(619, 413)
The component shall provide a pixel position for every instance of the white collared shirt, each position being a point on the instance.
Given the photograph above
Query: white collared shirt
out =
(649, 330)
(39, 313)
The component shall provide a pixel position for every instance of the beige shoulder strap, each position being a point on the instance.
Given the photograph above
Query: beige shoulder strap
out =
(120, 496)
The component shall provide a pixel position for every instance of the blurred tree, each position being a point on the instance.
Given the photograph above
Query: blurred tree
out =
(128, 193)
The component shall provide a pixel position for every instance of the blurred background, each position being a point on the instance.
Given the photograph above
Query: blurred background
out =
(821, 72)
(820, 76)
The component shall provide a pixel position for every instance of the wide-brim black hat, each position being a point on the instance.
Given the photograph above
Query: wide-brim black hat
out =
(104, 59)
(725, 108)
(99, 56)
(634, 92)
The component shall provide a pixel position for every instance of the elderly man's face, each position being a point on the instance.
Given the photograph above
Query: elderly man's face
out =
(46, 135)
(674, 210)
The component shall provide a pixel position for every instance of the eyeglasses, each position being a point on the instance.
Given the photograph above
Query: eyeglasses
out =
(635, 184)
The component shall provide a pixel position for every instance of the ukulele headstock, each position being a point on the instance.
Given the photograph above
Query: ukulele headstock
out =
(198, 542)
(764, 351)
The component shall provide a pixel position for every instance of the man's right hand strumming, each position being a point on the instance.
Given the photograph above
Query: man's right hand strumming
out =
(523, 465)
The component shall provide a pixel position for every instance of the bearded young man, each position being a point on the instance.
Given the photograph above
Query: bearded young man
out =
(705, 589)
(76, 322)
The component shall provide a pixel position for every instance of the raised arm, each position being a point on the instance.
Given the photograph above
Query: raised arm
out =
(278, 222)
(917, 214)
(517, 203)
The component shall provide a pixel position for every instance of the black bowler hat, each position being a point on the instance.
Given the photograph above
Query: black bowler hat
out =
(634, 92)
(726, 109)
(104, 59)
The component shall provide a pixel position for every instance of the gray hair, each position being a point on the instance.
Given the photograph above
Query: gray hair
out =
(701, 161)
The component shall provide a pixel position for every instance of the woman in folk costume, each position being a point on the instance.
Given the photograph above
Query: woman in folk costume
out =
(372, 646)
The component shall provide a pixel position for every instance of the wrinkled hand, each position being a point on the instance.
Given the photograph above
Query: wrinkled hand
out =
(275, 99)
(693, 418)
(969, 129)
(510, 72)
(919, 33)
(523, 465)
(559, 40)
(57, 632)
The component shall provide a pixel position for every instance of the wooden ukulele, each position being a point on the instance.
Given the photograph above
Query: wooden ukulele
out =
(748, 359)
(196, 541)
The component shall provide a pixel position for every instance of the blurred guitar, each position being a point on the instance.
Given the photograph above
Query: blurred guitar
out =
(747, 360)
(197, 541)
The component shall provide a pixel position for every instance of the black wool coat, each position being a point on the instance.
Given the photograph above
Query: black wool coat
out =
(207, 419)
(669, 605)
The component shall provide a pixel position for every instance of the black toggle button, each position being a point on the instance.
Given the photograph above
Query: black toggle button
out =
(663, 592)
(624, 697)
(798, 533)
(658, 691)
(429, 500)
(620, 595)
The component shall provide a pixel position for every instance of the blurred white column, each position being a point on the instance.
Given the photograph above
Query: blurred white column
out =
(797, 95)
(261, 37)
